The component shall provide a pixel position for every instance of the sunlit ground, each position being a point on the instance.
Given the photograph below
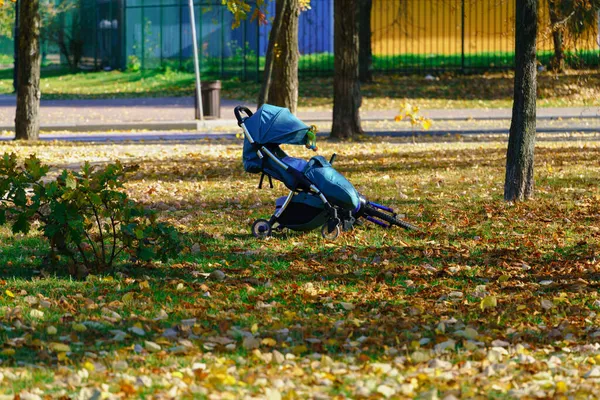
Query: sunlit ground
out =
(492, 299)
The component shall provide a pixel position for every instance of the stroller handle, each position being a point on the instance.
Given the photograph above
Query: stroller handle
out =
(237, 111)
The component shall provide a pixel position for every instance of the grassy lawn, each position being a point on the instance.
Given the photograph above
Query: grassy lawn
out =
(493, 300)
(576, 88)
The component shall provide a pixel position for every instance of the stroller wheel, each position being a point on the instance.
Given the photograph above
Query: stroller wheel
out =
(330, 234)
(261, 228)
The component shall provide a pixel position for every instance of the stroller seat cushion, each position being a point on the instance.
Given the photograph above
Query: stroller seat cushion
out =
(296, 163)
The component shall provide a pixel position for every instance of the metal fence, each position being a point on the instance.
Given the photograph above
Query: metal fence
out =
(408, 36)
(158, 34)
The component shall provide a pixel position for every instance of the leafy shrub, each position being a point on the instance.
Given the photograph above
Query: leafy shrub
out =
(133, 64)
(85, 215)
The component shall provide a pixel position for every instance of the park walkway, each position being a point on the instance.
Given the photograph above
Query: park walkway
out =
(170, 113)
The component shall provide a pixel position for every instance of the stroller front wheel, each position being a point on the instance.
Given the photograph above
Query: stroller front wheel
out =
(330, 234)
(261, 228)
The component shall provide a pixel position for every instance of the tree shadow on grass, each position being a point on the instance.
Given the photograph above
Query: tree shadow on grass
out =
(398, 294)
(216, 169)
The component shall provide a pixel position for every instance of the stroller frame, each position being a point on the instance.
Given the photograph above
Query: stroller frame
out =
(335, 216)
(263, 227)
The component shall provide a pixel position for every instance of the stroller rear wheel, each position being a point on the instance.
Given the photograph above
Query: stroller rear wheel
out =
(261, 228)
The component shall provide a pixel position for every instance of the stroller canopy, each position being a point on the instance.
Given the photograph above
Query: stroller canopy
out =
(276, 125)
(271, 125)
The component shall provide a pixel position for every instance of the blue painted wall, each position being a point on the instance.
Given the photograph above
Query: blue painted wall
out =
(315, 28)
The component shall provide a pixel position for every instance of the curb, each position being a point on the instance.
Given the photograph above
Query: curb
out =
(211, 135)
(200, 126)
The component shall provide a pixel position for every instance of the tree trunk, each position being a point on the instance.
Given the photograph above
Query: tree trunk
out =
(365, 68)
(284, 86)
(27, 124)
(346, 86)
(557, 63)
(521, 142)
(263, 96)
(16, 47)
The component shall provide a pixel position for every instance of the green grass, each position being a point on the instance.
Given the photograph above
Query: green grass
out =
(575, 88)
(371, 304)
(6, 59)
(323, 62)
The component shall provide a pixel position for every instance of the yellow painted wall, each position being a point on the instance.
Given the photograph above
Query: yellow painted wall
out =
(434, 27)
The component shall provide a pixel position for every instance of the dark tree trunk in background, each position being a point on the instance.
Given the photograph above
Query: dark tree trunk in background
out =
(557, 63)
(281, 32)
(27, 124)
(16, 46)
(346, 86)
(284, 85)
(521, 142)
(365, 68)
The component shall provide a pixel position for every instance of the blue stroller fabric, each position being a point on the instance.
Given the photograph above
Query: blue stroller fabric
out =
(335, 186)
(272, 126)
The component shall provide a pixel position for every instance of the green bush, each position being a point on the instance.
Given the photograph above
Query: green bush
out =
(85, 215)
(133, 63)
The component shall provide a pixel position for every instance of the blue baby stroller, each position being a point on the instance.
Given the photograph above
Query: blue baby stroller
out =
(319, 195)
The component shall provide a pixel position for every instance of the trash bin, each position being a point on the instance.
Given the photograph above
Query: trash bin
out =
(211, 99)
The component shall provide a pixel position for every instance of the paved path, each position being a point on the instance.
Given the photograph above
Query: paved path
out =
(166, 113)
(558, 133)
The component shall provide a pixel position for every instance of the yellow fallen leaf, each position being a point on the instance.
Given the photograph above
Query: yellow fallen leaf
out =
(51, 330)
(59, 347)
(144, 285)
(269, 342)
(254, 329)
(561, 387)
(79, 327)
(9, 293)
(8, 352)
(127, 298)
(89, 366)
(488, 302)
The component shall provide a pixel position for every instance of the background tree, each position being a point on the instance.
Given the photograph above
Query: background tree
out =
(7, 18)
(280, 80)
(27, 124)
(365, 63)
(570, 19)
(68, 37)
(519, 182)
(346, 86)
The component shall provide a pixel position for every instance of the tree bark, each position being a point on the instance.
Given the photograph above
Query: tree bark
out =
(365, 68)
(519, 181)
(27, 124)
(263, 96)
(557, 63)
(284, 85)
(346, 86)
(16, 46)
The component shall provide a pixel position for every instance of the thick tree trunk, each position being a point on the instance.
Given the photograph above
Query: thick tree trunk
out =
(346, 86)
(16, 47)
(284, 86)
(280, 5)
(27, 124)
(557, 63)
(365, 68)
(521, 142)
